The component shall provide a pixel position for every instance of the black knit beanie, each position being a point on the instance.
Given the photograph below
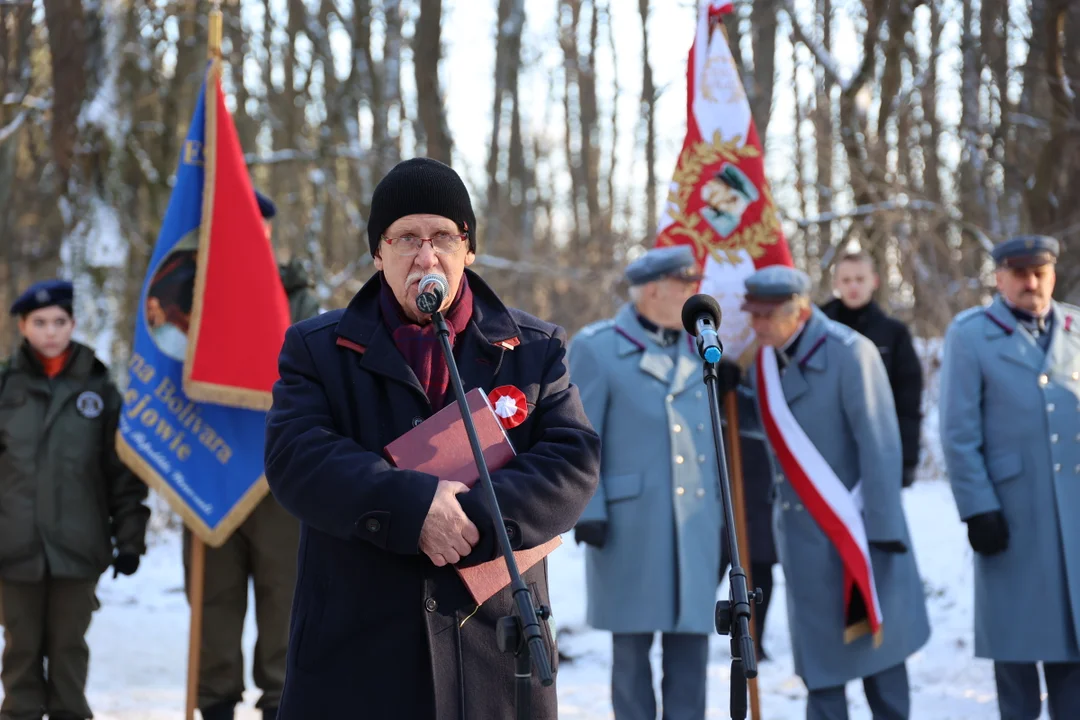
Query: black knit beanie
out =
(419, 186)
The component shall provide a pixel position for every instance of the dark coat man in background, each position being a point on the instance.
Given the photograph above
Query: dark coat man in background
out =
(854, 282)
(382, 625)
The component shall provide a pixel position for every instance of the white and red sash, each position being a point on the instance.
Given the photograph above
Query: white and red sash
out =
(834, 507)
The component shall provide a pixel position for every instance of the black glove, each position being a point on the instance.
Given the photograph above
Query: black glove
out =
(988, 533)
(591, 532)
(909, 476)
(728, 375)
(125, 563)
(890, 546)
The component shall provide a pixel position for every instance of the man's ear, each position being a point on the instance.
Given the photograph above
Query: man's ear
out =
(378, 261)
(877, 281)
(470, 258)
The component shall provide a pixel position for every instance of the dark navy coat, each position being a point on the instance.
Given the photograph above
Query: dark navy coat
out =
(377, 630)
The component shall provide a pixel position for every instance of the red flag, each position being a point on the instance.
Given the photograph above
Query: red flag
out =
(239, 311)
(719, 201)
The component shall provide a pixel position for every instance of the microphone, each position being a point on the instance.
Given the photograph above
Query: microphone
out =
(701, 318)
(433, 290)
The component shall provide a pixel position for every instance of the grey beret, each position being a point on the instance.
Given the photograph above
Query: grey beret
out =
(673, 261)
(1026, 251)
(773, 285)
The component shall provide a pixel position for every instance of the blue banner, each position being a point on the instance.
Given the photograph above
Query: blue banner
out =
(205, 459)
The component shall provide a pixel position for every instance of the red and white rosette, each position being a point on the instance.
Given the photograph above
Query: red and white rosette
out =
(509, 404)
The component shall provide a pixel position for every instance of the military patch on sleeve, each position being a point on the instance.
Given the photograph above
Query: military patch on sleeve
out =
(89, 404)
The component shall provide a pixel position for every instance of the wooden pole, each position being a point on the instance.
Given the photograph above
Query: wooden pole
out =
(196, 583)
(738, 502)
(197, 579)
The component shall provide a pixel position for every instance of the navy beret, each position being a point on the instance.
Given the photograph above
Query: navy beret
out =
(673, 261)
(266, 205)
(773, 285)
(1026, 251)
(44, 294)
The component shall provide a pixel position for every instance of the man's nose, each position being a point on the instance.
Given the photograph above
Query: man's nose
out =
(427, 258)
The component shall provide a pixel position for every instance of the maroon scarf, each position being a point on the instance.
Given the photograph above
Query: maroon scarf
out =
(420, 345)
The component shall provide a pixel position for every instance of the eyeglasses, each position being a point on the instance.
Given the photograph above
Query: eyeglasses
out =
(443, 243)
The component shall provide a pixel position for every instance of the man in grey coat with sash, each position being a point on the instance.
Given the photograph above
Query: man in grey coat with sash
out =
(653, 528)
(854, 597)
(1010, 429)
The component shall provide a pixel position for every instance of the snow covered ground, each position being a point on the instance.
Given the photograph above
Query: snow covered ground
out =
(138, 639)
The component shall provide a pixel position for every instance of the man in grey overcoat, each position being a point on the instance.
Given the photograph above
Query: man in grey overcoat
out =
(653, 528)
(832, 429)
(1010, 429)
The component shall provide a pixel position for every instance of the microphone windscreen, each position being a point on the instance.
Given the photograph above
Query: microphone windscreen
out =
(693, 308)
(437, 278)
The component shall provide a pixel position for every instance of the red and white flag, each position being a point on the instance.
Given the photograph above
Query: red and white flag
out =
(719, 202)
(836, 510)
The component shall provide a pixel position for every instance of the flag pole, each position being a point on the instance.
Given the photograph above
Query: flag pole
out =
(738, 502)
(198, 547)
(738, 496)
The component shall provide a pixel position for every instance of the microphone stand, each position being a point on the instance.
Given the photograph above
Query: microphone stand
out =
(520, 633)
(737, 606)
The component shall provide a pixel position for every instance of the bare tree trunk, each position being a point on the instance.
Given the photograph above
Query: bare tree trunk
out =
(427, 50)
(763, 21)
(929, 97)
(648, 113)
(67, 50)
(824, 132)
(506, 155)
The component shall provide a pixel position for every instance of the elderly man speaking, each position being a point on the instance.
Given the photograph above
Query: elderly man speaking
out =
(382, 626)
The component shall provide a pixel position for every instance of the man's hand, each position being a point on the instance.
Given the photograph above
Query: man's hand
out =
(988, 533)
(591, 532)
(125, 564)
(448, 535)
(728, 373)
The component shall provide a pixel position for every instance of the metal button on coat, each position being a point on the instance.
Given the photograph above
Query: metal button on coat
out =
(417, 420)
(677, 428)
(373, 525)
(701, 458)
(1050, 407)
(700, 427)
(430, 605)
(1057, 467)
(701, 491)
(510, 531)
(1076, 376)
(1054, 438)
(679, 491)
(1044, 379)
(678, 459)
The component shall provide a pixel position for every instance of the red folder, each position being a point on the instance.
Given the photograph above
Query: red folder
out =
(440, 446)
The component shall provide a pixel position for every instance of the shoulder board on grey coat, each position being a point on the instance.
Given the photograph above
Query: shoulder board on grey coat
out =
(843, 333)
(596, 327)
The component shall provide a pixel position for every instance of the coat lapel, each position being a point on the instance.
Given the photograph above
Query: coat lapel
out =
(688, 367)
(1014, 345)
(808, 357)
(654, 360)
(479, 349)
(1061, 352)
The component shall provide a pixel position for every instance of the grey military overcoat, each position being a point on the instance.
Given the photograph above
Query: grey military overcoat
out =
(1010, 429)
(658, 481)
(839, 393)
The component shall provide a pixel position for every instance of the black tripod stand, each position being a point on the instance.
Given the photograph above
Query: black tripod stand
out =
(519, 633)
(701, 318)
